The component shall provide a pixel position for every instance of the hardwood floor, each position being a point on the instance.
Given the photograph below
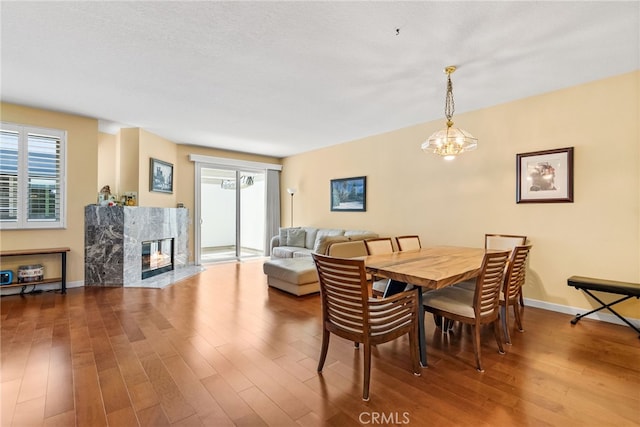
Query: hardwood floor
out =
(222, 348)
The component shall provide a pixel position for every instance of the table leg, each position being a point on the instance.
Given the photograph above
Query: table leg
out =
(421, 331)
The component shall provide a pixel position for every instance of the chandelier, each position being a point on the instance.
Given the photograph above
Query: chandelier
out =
(451, 141)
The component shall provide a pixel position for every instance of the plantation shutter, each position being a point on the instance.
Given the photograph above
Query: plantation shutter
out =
(44, 178)
(32, 177)
(9, 176)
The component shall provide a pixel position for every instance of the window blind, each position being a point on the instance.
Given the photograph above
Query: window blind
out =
(32, 177)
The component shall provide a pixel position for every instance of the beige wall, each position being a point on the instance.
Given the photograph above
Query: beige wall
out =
(153, 146)
(108, 161)
(456, 202)
(125, 160)
(129, 156)
(82, 181)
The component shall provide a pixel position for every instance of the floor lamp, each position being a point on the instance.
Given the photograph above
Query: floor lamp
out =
(291, 191)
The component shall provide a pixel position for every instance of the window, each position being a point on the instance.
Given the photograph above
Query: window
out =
(32, 177)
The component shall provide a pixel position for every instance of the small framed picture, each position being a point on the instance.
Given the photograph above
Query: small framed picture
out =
(545, 176)
(160, 176)
(349, 194)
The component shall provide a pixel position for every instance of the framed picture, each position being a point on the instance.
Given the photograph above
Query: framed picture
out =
(545, 176)
(349, 194)
(160, 176)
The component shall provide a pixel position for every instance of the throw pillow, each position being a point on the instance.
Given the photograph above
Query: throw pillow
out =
(283, 235)
(296, 237)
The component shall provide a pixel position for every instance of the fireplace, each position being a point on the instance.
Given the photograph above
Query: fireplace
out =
(157, 257)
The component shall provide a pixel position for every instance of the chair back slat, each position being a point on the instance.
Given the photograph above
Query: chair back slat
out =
(516, 272)
(382, 245)
(489, 284)
(408, 243)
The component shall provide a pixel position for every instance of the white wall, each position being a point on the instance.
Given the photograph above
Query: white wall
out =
(218, 216)
(218, 210)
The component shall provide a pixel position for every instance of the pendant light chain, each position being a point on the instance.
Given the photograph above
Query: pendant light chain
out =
(449, 104)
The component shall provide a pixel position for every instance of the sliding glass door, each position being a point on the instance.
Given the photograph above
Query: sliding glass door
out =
(232, 213)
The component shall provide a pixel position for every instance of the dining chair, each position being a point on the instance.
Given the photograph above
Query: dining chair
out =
(379, 245)
(408, 243)
(348, 312)
(404, 243)
(511, 289)
(505, 241)
(497, 242)
(476, 308)
(491, 241)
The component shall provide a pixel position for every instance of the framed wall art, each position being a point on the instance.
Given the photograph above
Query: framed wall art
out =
(160, 176)
(545, 176)
(349, 194)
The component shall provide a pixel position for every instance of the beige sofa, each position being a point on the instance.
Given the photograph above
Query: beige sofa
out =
(294, 242)
(291, 267)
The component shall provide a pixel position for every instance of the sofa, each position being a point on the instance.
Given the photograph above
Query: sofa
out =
(291, 268)
(294, 242)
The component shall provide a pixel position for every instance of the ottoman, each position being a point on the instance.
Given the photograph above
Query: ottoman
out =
(297, 276)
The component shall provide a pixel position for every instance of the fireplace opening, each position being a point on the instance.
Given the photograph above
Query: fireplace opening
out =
(157, 257)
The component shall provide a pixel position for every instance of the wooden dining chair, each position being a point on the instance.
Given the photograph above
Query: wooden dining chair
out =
(491, 241)
(408, 243)
(347, 311)
(476, 308)
(512, 288)
(497, 242)
(505, 241)
(379, 245)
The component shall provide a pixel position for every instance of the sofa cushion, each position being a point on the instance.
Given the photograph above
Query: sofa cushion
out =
(283, 235)
(283, 252)
(324, 232)
(350, 249)
(296, 237)
(302, 253)
(290, 252)
(323, 243)
(310, 239)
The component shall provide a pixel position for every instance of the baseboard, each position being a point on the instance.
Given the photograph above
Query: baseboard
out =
(603, 317)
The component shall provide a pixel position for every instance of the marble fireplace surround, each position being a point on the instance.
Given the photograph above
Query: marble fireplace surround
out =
(113, 244)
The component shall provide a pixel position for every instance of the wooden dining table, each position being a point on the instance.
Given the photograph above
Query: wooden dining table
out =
(433, 267)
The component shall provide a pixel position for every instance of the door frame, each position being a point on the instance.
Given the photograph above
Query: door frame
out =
(218, 163)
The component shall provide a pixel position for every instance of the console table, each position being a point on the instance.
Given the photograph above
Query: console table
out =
(28, 252)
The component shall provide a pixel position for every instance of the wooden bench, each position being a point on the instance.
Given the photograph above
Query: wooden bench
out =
(29, 252)
(587, 284)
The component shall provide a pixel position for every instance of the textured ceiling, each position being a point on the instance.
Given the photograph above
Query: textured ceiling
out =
(280, 78)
